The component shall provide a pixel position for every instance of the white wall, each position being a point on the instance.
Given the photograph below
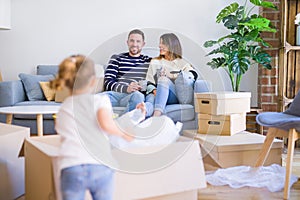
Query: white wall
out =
(46, 31)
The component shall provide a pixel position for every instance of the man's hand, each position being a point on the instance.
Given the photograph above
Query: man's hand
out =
(133, 86)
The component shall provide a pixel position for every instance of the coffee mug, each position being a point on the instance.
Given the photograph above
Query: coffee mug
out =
(143, 84)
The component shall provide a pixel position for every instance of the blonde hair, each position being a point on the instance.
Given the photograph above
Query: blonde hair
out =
(74, 73)
(173, 44)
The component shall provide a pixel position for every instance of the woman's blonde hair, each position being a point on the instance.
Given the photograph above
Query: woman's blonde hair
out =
(173, 44)
(74, 73)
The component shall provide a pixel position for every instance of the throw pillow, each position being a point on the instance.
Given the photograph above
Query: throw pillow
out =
(32, 86)
(184, 85)
(49, 93)
(62, 94)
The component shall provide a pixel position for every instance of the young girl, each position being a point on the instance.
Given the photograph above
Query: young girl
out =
(84, 121)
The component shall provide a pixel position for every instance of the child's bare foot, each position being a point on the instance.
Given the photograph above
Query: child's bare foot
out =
(127, 137)
(157, 113)
(142, 106)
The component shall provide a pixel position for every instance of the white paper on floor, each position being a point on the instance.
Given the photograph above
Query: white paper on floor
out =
(271, 177)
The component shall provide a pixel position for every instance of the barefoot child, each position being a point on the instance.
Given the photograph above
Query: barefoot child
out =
(84, 120)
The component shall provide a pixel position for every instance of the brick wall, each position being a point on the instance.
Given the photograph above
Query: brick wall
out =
(268, 79)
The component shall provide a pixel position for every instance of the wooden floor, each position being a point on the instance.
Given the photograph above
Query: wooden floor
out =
(227, 193)
(247, 193)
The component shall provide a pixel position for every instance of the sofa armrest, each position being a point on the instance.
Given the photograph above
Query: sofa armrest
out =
(11, 92)
(202, 86)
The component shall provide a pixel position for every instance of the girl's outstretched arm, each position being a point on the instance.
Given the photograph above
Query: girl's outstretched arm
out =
(107, 123)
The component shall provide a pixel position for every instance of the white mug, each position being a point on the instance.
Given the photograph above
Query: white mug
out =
(143, 84)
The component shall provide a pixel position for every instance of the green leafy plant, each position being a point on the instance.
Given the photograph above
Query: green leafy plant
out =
(243, 47)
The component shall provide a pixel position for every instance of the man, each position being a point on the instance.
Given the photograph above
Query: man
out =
(124, 72)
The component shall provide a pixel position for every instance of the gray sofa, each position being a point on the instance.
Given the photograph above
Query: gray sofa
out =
(12, 93)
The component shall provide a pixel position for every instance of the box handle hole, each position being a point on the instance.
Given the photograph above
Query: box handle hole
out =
(214, 123)
(205, 102)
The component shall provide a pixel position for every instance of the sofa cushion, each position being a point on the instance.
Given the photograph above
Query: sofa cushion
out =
(49, 93)
(13, 91)
(184, 85)
(32, 86)
(180, 112)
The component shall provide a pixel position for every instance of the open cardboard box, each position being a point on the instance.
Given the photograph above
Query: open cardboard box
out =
(178, 180)
(11, 166)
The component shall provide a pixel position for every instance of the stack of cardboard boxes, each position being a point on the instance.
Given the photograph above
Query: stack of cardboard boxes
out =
(223, 139)
(222, 113)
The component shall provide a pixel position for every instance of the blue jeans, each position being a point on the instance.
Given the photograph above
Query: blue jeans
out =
(131, 100)
(98, 179)
(165, 94)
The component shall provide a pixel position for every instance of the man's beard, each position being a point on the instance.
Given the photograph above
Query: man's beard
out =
(134, 52)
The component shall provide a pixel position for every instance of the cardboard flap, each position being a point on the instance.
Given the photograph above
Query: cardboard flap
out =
(238, 142)
(210, 162)
(7, 129)
(21, 152)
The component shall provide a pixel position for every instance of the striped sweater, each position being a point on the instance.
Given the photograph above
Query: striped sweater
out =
(124, 69)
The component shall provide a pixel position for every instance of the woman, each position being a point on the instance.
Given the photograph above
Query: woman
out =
(164, 70)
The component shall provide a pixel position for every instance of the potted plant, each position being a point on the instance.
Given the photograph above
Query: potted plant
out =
(243, 47)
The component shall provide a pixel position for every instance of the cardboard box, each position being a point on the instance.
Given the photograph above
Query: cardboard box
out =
(180, 180)
(240, 149)
(221, 124)
(222, 103)
(11, 166)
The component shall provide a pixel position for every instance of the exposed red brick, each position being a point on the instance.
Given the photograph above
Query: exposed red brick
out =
(268, 79)
(266, 98)
(271, 15)
(267, 72)
(275, 43)
(275, 99)
(274, 81)
(277, 34)
(264, 81)
(268, 89)
(266, 35)
(273, 53)
(269, 107)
